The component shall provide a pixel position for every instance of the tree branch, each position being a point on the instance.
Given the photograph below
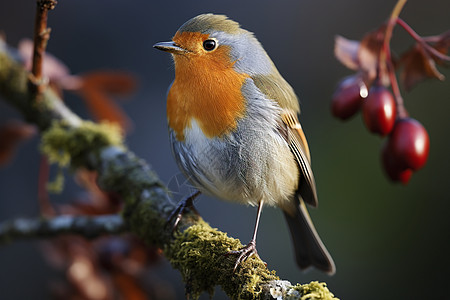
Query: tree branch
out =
(87, 226)
(197, 250)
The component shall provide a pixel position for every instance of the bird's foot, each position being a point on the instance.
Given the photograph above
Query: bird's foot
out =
(184, 205)
(244, 253)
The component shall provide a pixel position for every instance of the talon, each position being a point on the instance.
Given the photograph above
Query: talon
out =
(244, 253)
(177, 213)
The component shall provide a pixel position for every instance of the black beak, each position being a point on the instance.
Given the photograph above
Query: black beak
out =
(170, 47)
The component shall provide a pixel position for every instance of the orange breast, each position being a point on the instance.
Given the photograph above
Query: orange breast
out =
(208, 90)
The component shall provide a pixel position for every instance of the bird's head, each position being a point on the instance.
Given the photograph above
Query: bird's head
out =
(213, 43)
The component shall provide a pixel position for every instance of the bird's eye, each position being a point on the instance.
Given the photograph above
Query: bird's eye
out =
(209, 45)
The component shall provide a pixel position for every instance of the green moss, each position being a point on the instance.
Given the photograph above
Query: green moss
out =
(66, 145)
(315, 291)
(146, 222)
(200, 254)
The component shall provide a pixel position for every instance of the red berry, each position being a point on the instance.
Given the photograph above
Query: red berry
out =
(379, 110)
(409, 143)
(348, 97)
(392, 167)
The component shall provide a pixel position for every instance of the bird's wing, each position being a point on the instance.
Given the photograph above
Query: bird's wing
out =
(299, 147)
(276, 88)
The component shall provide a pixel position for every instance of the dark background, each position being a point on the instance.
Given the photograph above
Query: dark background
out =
(388, 241)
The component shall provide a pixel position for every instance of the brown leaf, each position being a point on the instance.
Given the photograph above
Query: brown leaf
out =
(369, 54)
(97, 202)
(77, 256)
(54, 69)
(11, 134)
(99, 88)
(442, 45)
(346, 51)
(112, 82)
(129, 286)
(418, 65)
(61, 290)
(46, 207)
(84, 275)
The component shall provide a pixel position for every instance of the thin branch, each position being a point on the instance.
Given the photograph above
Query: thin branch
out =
(87, 226)
(422, 41)
(386, 60)
(388, 33)
(41, 37)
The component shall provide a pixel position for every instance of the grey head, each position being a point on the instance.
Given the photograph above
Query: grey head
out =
(249, 55)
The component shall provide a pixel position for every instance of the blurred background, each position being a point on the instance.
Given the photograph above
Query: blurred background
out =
(388, 241)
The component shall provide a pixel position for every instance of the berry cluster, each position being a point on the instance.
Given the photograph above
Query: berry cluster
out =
(406, 149)
(369, 91)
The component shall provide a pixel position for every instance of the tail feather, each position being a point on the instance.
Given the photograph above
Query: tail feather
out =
(309, 249)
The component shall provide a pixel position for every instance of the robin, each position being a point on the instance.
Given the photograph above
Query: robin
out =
(235, 133)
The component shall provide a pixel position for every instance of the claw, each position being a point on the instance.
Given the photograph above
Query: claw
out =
(250, 249)
(177, 213)
(244, 253)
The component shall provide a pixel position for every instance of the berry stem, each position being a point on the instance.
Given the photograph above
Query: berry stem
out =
(421, 41)
(389, 28)
(386, 61)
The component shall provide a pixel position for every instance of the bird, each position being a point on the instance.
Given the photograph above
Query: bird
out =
(235, 133)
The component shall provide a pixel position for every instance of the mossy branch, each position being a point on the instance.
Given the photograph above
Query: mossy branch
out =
(196, 249)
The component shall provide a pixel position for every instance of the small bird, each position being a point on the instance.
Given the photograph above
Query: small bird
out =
(235, 133)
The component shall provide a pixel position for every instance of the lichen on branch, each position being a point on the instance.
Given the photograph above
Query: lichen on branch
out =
(87, 226)
(67, 145)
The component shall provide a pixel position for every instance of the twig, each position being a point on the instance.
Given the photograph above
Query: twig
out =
(422, 41)
(89, 227)
(41, 36)
(386, 60)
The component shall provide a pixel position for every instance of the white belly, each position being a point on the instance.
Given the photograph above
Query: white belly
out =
(247, 166)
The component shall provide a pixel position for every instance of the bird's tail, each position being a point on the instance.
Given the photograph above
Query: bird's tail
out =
(309, 249)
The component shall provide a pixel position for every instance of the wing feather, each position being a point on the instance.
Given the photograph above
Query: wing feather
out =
(275, 87)
(299, 147)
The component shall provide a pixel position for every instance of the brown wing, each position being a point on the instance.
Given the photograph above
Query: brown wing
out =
(299, 147)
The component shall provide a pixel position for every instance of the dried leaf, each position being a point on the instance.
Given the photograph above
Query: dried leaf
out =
(60, 290)
(369, 54)
(94, 201)
(129, 287)
(55, 252)
(46, 207)
(442, 45)
(96, 88)
(54, 69)
(418, 65)
(11, 134)
(346, 51)
(83, 274)
(111, 82)
(99, 88)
